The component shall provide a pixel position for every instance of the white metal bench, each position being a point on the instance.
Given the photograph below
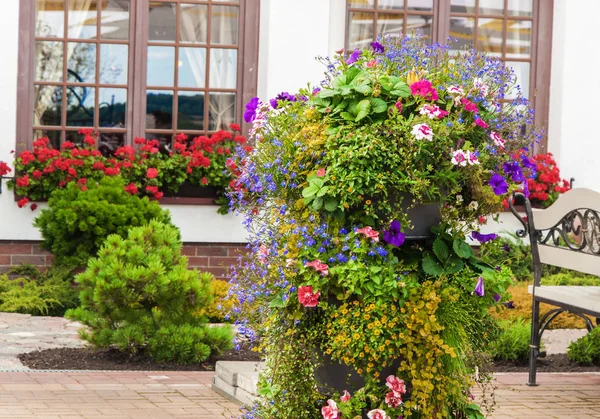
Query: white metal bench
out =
(567, 234)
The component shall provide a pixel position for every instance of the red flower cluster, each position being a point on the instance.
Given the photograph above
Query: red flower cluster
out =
(4, 169)
(547, 184)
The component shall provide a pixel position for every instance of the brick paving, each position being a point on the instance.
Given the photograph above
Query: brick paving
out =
(111, 395)
(47, 395)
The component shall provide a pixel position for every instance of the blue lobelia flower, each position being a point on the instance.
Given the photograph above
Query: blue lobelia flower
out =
(377, 47)
(250, 113)
(479, 289)
(483, 238)
(353, 57)
(394, 235)
(498, 184)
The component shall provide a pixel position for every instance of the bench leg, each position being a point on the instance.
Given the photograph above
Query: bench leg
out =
(534, 345)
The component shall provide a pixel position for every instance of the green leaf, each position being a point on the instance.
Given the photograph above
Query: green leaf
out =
(351, 73)
(388, 82)
(277, 302)
(454, 265)
(339, 81)
(317, 204)
(310, 191)
(363, 108)
(431, 266)
(365, 89)
(341, 106)
(462, 249)
(378, 105)
(346, 90)
(401, 89)
(331, 205)
(441, 250)
(348, 116)
(322, 191)
(326, 93)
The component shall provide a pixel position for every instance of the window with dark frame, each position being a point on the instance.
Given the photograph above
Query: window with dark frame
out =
(516, 31)
(134, 68)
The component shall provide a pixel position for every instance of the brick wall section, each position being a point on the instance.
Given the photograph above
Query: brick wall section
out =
(215, 258)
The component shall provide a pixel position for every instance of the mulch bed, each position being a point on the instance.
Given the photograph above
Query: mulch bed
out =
(551, 363)
(112, 359)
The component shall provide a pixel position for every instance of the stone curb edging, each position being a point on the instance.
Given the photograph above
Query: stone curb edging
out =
(237, 380)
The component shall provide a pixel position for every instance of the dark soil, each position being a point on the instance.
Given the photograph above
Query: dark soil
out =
(551, 363)
(112, 359)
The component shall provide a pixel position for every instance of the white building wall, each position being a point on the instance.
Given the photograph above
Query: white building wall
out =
(573, 137)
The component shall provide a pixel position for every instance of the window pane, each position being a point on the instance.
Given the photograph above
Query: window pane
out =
(490, 36)
(50, 18)
(114, 20)
(361, 3)
(390, 24)
(520, 7)
(491, 7)
(420, 5)
(53, 136)
(421, 23)
(190, 111)
(518, 42)
(391, 4)
(113, 63)
(360, 30)
(109, 142)
(223, 68)
(461, 28)
(521, 70)
(194, 23)
(221, 111)
(192, 67)
(82, 19)
(47, 105)
(161, 66)
(462, 6)
(224, 25)
(159, 109)
(81, 66)
(112, 106)
(162, 23)
(80, 106)
(48, 61)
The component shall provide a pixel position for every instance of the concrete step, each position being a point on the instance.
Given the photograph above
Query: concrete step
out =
(237, 380)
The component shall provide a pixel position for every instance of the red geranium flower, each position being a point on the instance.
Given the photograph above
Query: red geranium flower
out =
(23, 202)
(4, 169)
(151, 173)
(33, 206)
(23, 182)
(234, 127)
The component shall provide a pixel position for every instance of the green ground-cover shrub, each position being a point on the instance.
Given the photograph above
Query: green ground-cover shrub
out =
(138, 294)
(586, 350)
(80, 217)
(48, 293)
(512, 342)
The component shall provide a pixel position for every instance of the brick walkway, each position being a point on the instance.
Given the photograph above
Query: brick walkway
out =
(148, 395)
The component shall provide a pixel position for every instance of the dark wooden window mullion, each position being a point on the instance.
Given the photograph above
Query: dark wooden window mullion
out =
(207, 80)
(176, 75)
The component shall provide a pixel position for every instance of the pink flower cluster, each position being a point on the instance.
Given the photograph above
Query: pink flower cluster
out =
(462, 158)
(369, 233)
(394, 398)
(433, 111)
(498, 140)
(307, 297)
(425, 89)
(319, 266)
(422, 132)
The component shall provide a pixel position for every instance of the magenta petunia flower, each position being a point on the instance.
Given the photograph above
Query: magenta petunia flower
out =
(250, 113)
(394, 235)
(353, 57)
(425, 89)
(377, 47)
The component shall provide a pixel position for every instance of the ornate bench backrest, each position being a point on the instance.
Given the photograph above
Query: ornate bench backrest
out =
(567, 234)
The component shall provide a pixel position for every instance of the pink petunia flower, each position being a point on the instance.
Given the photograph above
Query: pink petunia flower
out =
(432, 111)
(498, 141)
(345, 397)
(377, 414)
(369, 232)
(330, 411)
(422, 132)
(396, 385)
(319, 266)
(480, 123)
(469, 106)
(459, 158)
(307, 298)
(393, 400)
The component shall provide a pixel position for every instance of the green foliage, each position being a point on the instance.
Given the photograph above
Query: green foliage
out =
(138, 294)
(47, 294)
(512, 342)
(78, 220)
(586, 350)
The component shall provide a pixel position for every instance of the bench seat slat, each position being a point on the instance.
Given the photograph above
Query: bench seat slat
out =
(569, 259)
(585, 299)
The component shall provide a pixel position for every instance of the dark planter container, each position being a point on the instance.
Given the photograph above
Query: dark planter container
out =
(189, 190)
(422, 218)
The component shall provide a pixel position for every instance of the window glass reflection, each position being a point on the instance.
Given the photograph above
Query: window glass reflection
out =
(390, 24)
(192, 67)
(159, 109)
(360, 30)
(490, 36)
(114, 20)
(48, 61)
(49, 18)
(48, 105)
(224, 25)
(223, 68)
(194, 23)
(80, 106)
(162, 21)
(113, 63)
(518, 39)
(221, 110)
(109, 142)
(81, 66)
(161, 66)
(112, 107)
(82, 19)
(190, 111)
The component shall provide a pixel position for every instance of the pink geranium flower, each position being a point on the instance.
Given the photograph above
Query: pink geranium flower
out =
(396, 385)
(369, 232)
(377, 414)
(345, 397)
(330, 411)
(307, 298)
(319, 266)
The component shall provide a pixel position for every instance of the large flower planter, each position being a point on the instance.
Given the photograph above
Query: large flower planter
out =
(422, 217)
(189, 190)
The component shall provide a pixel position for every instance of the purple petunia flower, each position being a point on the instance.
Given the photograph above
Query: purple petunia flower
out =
(353, 57)
(479, 289)
(509, 304)
(513, 170)
(394, 236)
(377, 47)
(283, 96)
(250, 113)
(498, 184)
(497, 297)
(526, 163)
(483, 238)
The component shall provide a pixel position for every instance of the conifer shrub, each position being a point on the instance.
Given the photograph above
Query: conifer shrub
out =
(81, 216)
(138, 295)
